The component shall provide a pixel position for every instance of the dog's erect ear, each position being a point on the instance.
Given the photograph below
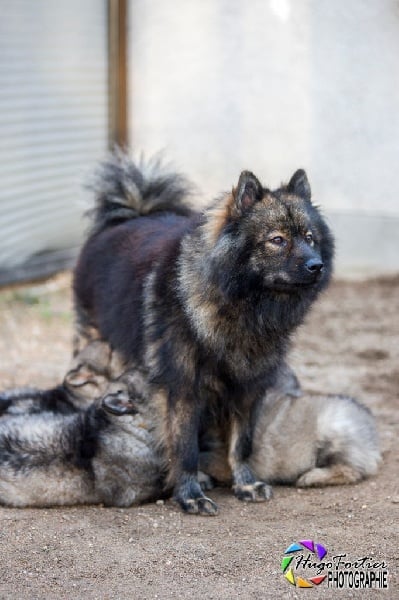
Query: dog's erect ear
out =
(248, 191)
(119, 404)
(299, 185)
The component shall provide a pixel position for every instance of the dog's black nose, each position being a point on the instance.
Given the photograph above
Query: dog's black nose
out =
(314, 265)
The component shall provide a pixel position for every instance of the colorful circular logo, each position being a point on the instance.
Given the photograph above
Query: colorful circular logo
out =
(295, 550)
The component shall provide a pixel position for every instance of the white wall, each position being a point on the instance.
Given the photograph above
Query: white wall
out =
(354, 97)
(53, 121)
(273, 85)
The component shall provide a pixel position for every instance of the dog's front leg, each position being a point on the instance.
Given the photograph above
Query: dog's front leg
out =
(182, 442)
(245, 485)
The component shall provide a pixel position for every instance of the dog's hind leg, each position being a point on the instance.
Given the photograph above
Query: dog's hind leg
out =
(347, 449)
(18, 400)
(25, 401)
(338, 474)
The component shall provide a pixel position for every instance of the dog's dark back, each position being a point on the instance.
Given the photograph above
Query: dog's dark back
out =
(112, 288)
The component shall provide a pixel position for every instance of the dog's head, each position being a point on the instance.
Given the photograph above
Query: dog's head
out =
(277, 240)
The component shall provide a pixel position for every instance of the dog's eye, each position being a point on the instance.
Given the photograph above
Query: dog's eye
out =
(278, 240)
(309, 237)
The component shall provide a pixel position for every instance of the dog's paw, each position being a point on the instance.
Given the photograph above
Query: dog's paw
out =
(189, 495)
(333, 475)
(259, 491)
(310, 478)
(199, 506)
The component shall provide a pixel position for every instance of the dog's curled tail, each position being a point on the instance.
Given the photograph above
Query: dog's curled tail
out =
(125, 189)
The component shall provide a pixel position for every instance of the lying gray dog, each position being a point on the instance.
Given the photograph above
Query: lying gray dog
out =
(102, 454)
(94, 439)
(306, 440)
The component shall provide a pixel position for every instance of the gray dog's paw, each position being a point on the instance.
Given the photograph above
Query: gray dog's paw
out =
(259, 491)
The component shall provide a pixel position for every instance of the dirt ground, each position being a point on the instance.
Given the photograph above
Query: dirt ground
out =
(350, 344)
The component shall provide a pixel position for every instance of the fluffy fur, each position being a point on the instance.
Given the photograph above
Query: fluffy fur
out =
(305, 440)
(102, 454)
(108, 453)
(205, 303)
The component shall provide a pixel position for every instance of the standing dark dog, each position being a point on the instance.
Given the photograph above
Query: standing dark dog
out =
(205, 302)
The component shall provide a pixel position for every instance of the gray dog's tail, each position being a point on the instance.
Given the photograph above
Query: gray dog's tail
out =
(125, 190)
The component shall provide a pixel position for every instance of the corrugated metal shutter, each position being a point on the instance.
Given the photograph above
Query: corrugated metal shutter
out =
(53, 126)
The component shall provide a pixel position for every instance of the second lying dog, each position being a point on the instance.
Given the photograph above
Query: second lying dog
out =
(307, 440)
(107, 453)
